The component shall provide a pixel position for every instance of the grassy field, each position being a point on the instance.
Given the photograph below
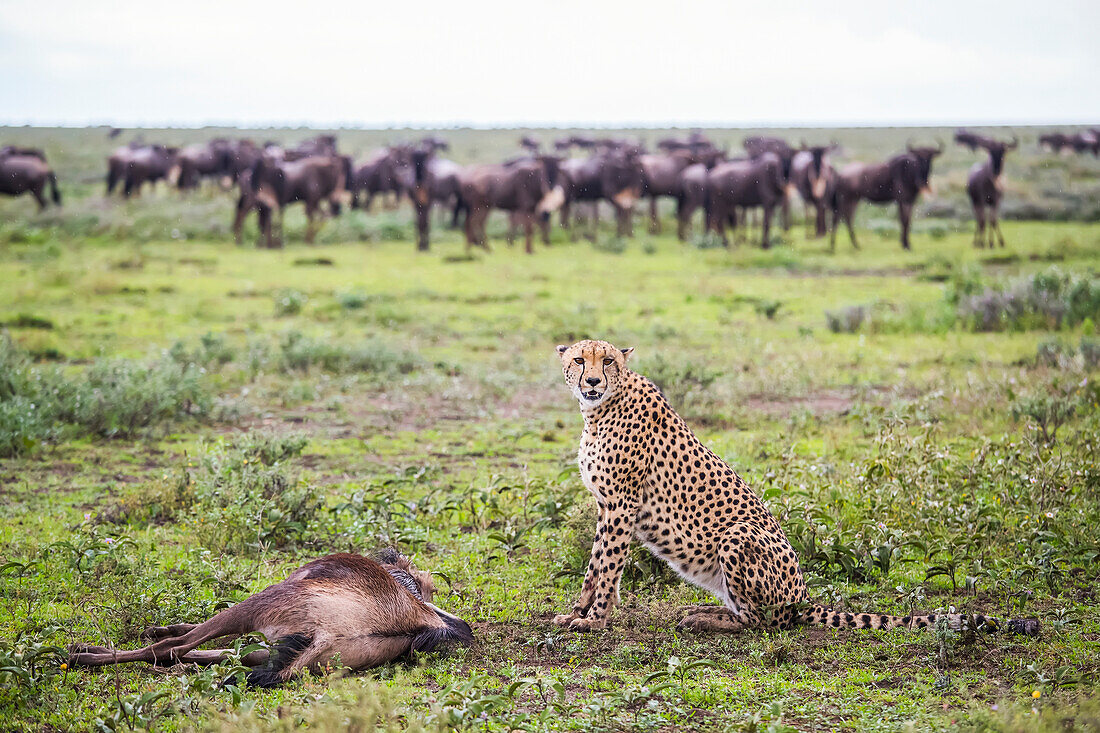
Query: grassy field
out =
(183, 422)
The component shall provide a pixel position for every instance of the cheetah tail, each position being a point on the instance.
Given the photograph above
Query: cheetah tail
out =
(822, 616)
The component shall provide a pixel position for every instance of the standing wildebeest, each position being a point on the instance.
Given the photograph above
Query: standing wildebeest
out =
(972, 140)
(900, 179)
(527, 189)
(1056, 141)
(274, 184)
(434, 181)
(757, 146)
(388, 171)
(814, 180)
(205, 160)
(341, 608)
(319, 145)
(615, 176)
(24, 170)
(531, 144)
(136, 165)
(662, 177)
(744, 184)
(985, 186)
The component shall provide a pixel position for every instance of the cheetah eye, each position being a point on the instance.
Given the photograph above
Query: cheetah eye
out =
(608, 361)
(579, 360)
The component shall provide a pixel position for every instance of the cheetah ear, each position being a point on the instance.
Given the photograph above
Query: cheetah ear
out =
(627, 352)
(562, 348)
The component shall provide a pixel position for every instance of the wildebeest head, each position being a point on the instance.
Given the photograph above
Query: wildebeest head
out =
(554, 193)
(923, 156)
(816, 171)
(997, 151)
(622, 176)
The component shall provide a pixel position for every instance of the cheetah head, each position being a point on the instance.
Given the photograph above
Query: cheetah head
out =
(593, 370)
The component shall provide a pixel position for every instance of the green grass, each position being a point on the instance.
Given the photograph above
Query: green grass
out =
(416, 400)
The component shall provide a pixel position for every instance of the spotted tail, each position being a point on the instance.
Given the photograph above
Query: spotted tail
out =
(822, 616)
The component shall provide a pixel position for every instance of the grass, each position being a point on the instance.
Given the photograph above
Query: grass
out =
(390, 398)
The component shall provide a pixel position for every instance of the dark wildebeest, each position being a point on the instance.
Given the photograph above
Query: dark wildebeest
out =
(1081, 142)
(319, 145)
(25, 170)
(388, 171)
(614, 176)
(757, 146)
(985, 186)
(348, 609)
(134, 166)
(204, 160)
(527, 189)
(434, 181)
(744, 184)
(900, 179)
(814, 180)
(274, 184)
(434, 143)
(1055, 141)
(664, 175)
(693, 191)
(531, 144)
(972, 140)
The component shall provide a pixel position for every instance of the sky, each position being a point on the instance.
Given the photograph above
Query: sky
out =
(563, 63)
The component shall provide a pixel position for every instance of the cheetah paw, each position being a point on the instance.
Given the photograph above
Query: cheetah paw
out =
(587, 624)
(564, 619)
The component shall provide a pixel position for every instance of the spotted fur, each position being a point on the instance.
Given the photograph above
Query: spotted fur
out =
(656, 482)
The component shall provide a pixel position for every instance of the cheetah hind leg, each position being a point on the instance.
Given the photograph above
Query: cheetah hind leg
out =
(723, 620)
(707, 608)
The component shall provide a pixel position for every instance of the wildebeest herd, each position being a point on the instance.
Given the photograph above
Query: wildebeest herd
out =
(573, 178)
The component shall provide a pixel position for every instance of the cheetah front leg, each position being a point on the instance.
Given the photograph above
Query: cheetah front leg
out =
(608, 559)
(588, 589)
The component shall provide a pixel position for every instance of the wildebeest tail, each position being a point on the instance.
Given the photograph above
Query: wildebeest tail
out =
(822, 616)
(284, 651)
(54, 193)
(456, 630)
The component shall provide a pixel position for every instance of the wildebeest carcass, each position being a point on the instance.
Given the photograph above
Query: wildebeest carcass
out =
(205, 160)
(814, 179)
(744, 184)
(25, 170)
(985, 187)
(274, 184)
(388, 171)
(527, 189)
(138, 164)
(349, 609)
(900, 179)
(614, 175)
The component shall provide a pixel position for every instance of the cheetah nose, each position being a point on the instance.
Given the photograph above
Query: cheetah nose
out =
(593, 380)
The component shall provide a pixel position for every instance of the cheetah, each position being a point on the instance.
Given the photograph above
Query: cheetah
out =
(655, 481)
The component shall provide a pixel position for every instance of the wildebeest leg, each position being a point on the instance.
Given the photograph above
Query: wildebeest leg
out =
(513, 222)
(766, 227)
(654, 222)
(820, 221)
(311, 215)
(785, 212)
(37, 193)
(528, 231)
(471, 238)
(423, 224)
(544, 226)
(905, 213)
(995, 223)
(681, 219)
(848, 211)
(263, 220)
(979, 226)
(595, 228)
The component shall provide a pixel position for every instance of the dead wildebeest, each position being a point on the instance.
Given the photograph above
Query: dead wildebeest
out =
(25, 170)
(274, 184)
(900, 179)
(744, 184)
(134, 166)
(388, 171)
(205, 160)
(985, 187)
(972, 140)
(614, 176)
(814, 180)
(346, 609)
(527, 189)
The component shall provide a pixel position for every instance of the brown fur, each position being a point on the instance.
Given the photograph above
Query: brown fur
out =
(342, 607)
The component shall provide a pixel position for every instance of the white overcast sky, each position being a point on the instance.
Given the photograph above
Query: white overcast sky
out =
(586, 62)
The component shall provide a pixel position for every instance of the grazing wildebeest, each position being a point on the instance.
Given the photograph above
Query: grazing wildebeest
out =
(972, 140)
(900, 179)
(527, 189)
(814, 180)
(985, 186)
(25, 170)
(136, 165)
(274, 184)
(348, 609)
(615, 176)
(204, 160)
(744, 184)
(388, 171)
